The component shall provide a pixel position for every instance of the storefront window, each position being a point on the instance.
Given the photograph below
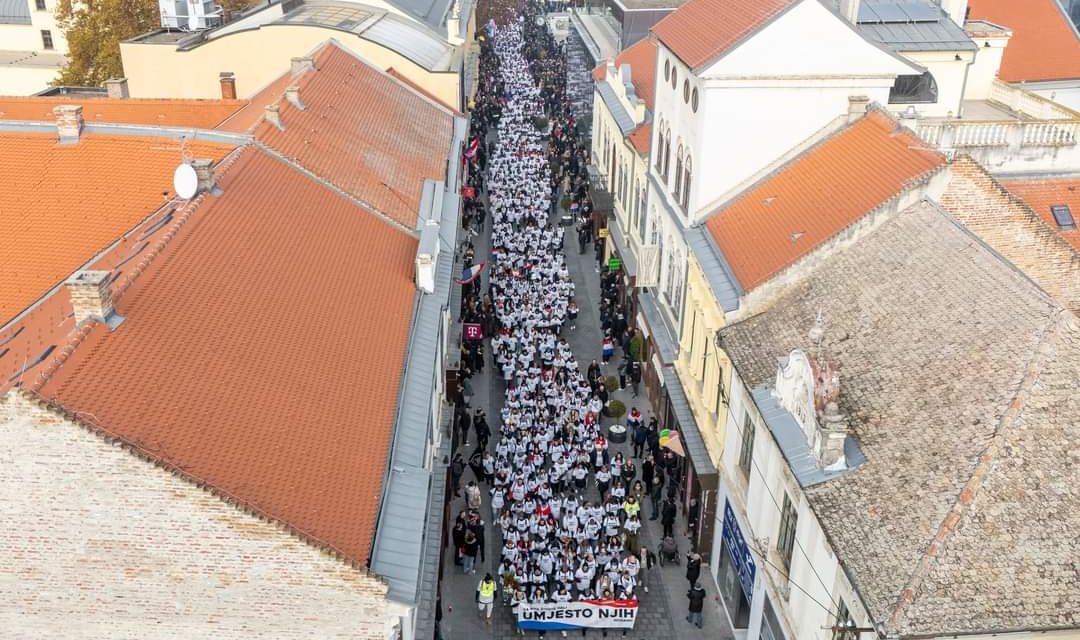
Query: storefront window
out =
(731, 592)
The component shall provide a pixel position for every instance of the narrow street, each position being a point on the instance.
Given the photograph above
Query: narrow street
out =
(661, 590)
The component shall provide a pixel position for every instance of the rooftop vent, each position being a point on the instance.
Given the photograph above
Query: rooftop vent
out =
(273, 116)
(228, 85)
(302, 65)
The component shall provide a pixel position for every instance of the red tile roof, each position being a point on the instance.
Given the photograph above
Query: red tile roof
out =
(63, 204)
(1044, 45)
(1040, 195)
(262, 352)
(641, 138)
(364, 131)
(817, 195)
(251, 114)
(702, 30)
(641, 56)
(202, 114)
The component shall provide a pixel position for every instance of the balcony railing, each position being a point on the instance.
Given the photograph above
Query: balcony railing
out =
(960, 134)
(1029, 104)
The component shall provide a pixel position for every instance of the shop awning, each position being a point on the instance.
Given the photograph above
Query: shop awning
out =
(629, 260)
(691, 436)
(658, 328)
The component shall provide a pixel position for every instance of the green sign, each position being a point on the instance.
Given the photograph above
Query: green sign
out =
(613, 263)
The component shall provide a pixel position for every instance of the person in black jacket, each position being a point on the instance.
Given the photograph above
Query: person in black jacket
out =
(667, 517)
(693, 568)
(696, 594)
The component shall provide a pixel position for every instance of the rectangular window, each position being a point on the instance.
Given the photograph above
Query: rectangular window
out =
(46, 39)
(844, 624)
(40, 4)
(1063, 216)
(785, 541)
(746, 452)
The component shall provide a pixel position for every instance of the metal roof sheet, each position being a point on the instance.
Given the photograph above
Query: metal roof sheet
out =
(411, 40)
(912, 25)
(665, 343)
(791, 439)
(401, 551)
(691, 436)
(719, 275)
(430, 12)
(14, 12)
(621, 115)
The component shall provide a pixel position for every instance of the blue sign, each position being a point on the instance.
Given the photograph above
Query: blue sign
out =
(740, 553)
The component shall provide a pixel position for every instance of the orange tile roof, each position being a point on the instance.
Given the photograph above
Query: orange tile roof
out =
(1044, 45)
(364, 131)
(262, 352)
(202, 114)
(62, 204)
(702, 30)
(641, 138)
(1040, 195)
(248, 117)
(641, 56)
(817, 195)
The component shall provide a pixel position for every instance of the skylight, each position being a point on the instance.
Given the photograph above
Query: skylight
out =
(1063, 216)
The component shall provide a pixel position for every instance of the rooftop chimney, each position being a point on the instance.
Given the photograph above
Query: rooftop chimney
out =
(69, 122)
(204, 170)
(228, 85)
(117, 88)
(273, 116)
(857, 106)
(90, 296)
(302, 65)
(850, 10)
(292, 94)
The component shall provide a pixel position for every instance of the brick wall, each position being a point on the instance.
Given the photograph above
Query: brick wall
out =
(1007, 225)
(100, 543)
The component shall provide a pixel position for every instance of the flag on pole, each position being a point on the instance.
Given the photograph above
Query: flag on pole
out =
(670, 440)
(470, 274)
(470, 151)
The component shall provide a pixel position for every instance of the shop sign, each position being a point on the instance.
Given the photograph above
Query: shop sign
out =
(740, 553)
(472, 331)
(614, 263)
(582, 614)
(603, 233)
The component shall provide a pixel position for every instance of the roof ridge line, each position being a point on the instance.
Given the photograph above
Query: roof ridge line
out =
(989, 455)
(90, 423)
(336, 189)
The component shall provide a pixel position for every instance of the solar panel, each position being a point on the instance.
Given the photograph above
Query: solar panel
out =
(1063, 216)
(890, 12)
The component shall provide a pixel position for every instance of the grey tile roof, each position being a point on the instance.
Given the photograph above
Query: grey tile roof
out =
(959, 378)
(14, 12)
(912, 25)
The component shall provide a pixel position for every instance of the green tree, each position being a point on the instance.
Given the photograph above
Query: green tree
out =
(233, 8)
(94, 30)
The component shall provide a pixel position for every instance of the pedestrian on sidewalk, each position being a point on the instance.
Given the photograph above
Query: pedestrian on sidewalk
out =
(667, 517)
(471, 549)
(458, 536)
(693, 567)
(457, 469)
(696, 595)
(485, 597)
(634, 371)
(472, 495)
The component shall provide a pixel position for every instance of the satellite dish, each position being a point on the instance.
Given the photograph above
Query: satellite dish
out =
(185, 181)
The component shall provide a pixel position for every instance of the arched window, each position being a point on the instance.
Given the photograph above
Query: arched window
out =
(660, 148)
(667, 154)
(688, 174)
(678, 174)
(635, 206)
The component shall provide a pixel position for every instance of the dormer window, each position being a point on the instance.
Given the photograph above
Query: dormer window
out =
(1063, 216)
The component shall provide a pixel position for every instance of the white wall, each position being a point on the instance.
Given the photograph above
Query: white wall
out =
(769, 94)
(25, 81)
(984, 71)
(1065, 96)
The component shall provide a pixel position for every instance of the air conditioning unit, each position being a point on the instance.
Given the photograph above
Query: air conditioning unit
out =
(189, 15)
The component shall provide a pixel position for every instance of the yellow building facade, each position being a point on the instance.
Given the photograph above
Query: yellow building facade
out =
(703, 369)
